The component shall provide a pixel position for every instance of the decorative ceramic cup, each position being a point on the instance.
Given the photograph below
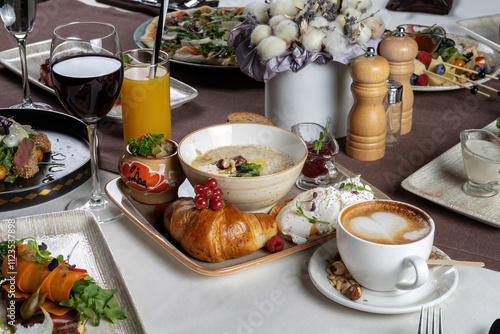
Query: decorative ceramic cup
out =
(319, 169)
(481, 155)
(152, 180)
(385, 244)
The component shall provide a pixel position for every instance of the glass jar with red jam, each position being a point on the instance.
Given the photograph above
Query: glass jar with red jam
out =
(319, 169)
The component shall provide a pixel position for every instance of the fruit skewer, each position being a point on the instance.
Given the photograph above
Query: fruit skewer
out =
(468, 70)
(457, 83)
(476, 83)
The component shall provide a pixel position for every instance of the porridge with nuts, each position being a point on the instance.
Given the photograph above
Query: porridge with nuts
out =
(243, 161)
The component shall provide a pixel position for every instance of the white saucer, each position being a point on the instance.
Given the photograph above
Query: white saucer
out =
(441, 283)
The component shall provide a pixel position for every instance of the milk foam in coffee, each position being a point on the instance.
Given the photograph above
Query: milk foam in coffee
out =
(381, 223)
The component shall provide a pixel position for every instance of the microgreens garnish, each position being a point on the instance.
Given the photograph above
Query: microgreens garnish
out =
(353, 187)
(318, 143)
(498, 122)
(313, 219)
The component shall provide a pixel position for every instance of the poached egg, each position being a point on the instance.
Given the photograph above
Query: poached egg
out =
(320, 208)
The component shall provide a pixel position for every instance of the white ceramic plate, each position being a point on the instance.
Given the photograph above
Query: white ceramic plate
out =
(440, 285)
(441, 180)
(483, 28)
(180, 93)
(491, 56)
(61, 231)
(139, 32)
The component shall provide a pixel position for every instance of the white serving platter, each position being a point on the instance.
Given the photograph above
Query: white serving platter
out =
(484, 28)
(441, 180)
(491, 57)
(61, 231)
(37, 53)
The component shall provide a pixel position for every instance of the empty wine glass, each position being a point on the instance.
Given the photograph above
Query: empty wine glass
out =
(19, 17)
(87, 74)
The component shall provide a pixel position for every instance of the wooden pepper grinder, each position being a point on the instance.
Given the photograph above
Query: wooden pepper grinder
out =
(366, 123)
(400, 50)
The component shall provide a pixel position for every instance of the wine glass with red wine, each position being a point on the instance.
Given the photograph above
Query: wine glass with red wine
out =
(87, 74)
(18, 17)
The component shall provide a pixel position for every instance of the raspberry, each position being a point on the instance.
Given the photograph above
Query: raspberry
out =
(275, 244)
(422, 80)
(424, 57)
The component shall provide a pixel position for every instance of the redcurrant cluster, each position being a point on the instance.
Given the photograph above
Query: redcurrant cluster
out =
(208, 196)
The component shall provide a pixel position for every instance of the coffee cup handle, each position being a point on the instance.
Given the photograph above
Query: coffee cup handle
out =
(421, 272)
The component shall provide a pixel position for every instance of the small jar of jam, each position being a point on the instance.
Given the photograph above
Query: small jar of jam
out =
(319, 169)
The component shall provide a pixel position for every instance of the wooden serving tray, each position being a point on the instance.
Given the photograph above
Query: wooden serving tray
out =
(142, 216)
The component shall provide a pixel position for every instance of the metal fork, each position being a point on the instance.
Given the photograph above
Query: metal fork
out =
(430, 325)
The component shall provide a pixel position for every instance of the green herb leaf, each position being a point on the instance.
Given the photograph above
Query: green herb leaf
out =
(143, 146)
(498, 122)
(92, 302)
(352, 186)
(313, 219)
(318, 143)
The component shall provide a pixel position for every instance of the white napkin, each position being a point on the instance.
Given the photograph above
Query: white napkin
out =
(234, 3)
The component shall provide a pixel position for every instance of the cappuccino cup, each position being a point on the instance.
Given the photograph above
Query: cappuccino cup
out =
(385, 244)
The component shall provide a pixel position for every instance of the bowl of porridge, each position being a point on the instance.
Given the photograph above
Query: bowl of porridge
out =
(255, 165)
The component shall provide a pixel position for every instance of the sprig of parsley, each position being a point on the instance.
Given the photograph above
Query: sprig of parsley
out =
(143, 146)
(313, 219)
(318, 143)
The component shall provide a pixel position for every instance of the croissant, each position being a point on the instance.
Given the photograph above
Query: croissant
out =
(215, 236)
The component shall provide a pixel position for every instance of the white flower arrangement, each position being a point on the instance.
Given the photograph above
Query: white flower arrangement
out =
(305, 30)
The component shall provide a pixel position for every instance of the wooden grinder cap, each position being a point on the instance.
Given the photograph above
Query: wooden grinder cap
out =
(400, 51)
(366, 124)
(398, 47)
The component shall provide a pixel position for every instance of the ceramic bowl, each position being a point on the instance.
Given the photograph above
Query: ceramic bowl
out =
(152, 180)
(250, 194)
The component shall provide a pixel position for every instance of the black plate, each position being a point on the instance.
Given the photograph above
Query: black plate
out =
(68, 136)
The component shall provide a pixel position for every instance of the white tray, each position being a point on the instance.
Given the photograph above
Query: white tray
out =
(61, 231)
(441, 181)
(484, 28)
(36, 54)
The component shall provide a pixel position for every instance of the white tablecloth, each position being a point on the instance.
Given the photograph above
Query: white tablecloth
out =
(276, 297)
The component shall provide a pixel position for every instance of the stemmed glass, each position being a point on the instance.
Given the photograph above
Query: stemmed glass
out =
(19, 17)
(87, 74)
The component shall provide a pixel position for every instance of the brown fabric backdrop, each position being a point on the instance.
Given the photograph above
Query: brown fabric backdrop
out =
(438, 119)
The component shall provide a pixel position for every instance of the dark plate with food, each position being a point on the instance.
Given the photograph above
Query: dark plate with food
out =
(63, 168)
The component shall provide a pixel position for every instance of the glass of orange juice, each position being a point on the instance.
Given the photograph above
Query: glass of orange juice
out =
(145, 99)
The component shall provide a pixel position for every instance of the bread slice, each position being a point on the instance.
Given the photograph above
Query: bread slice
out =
(248, 117)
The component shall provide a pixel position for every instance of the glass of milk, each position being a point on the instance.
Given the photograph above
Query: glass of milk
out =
(481, 156)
